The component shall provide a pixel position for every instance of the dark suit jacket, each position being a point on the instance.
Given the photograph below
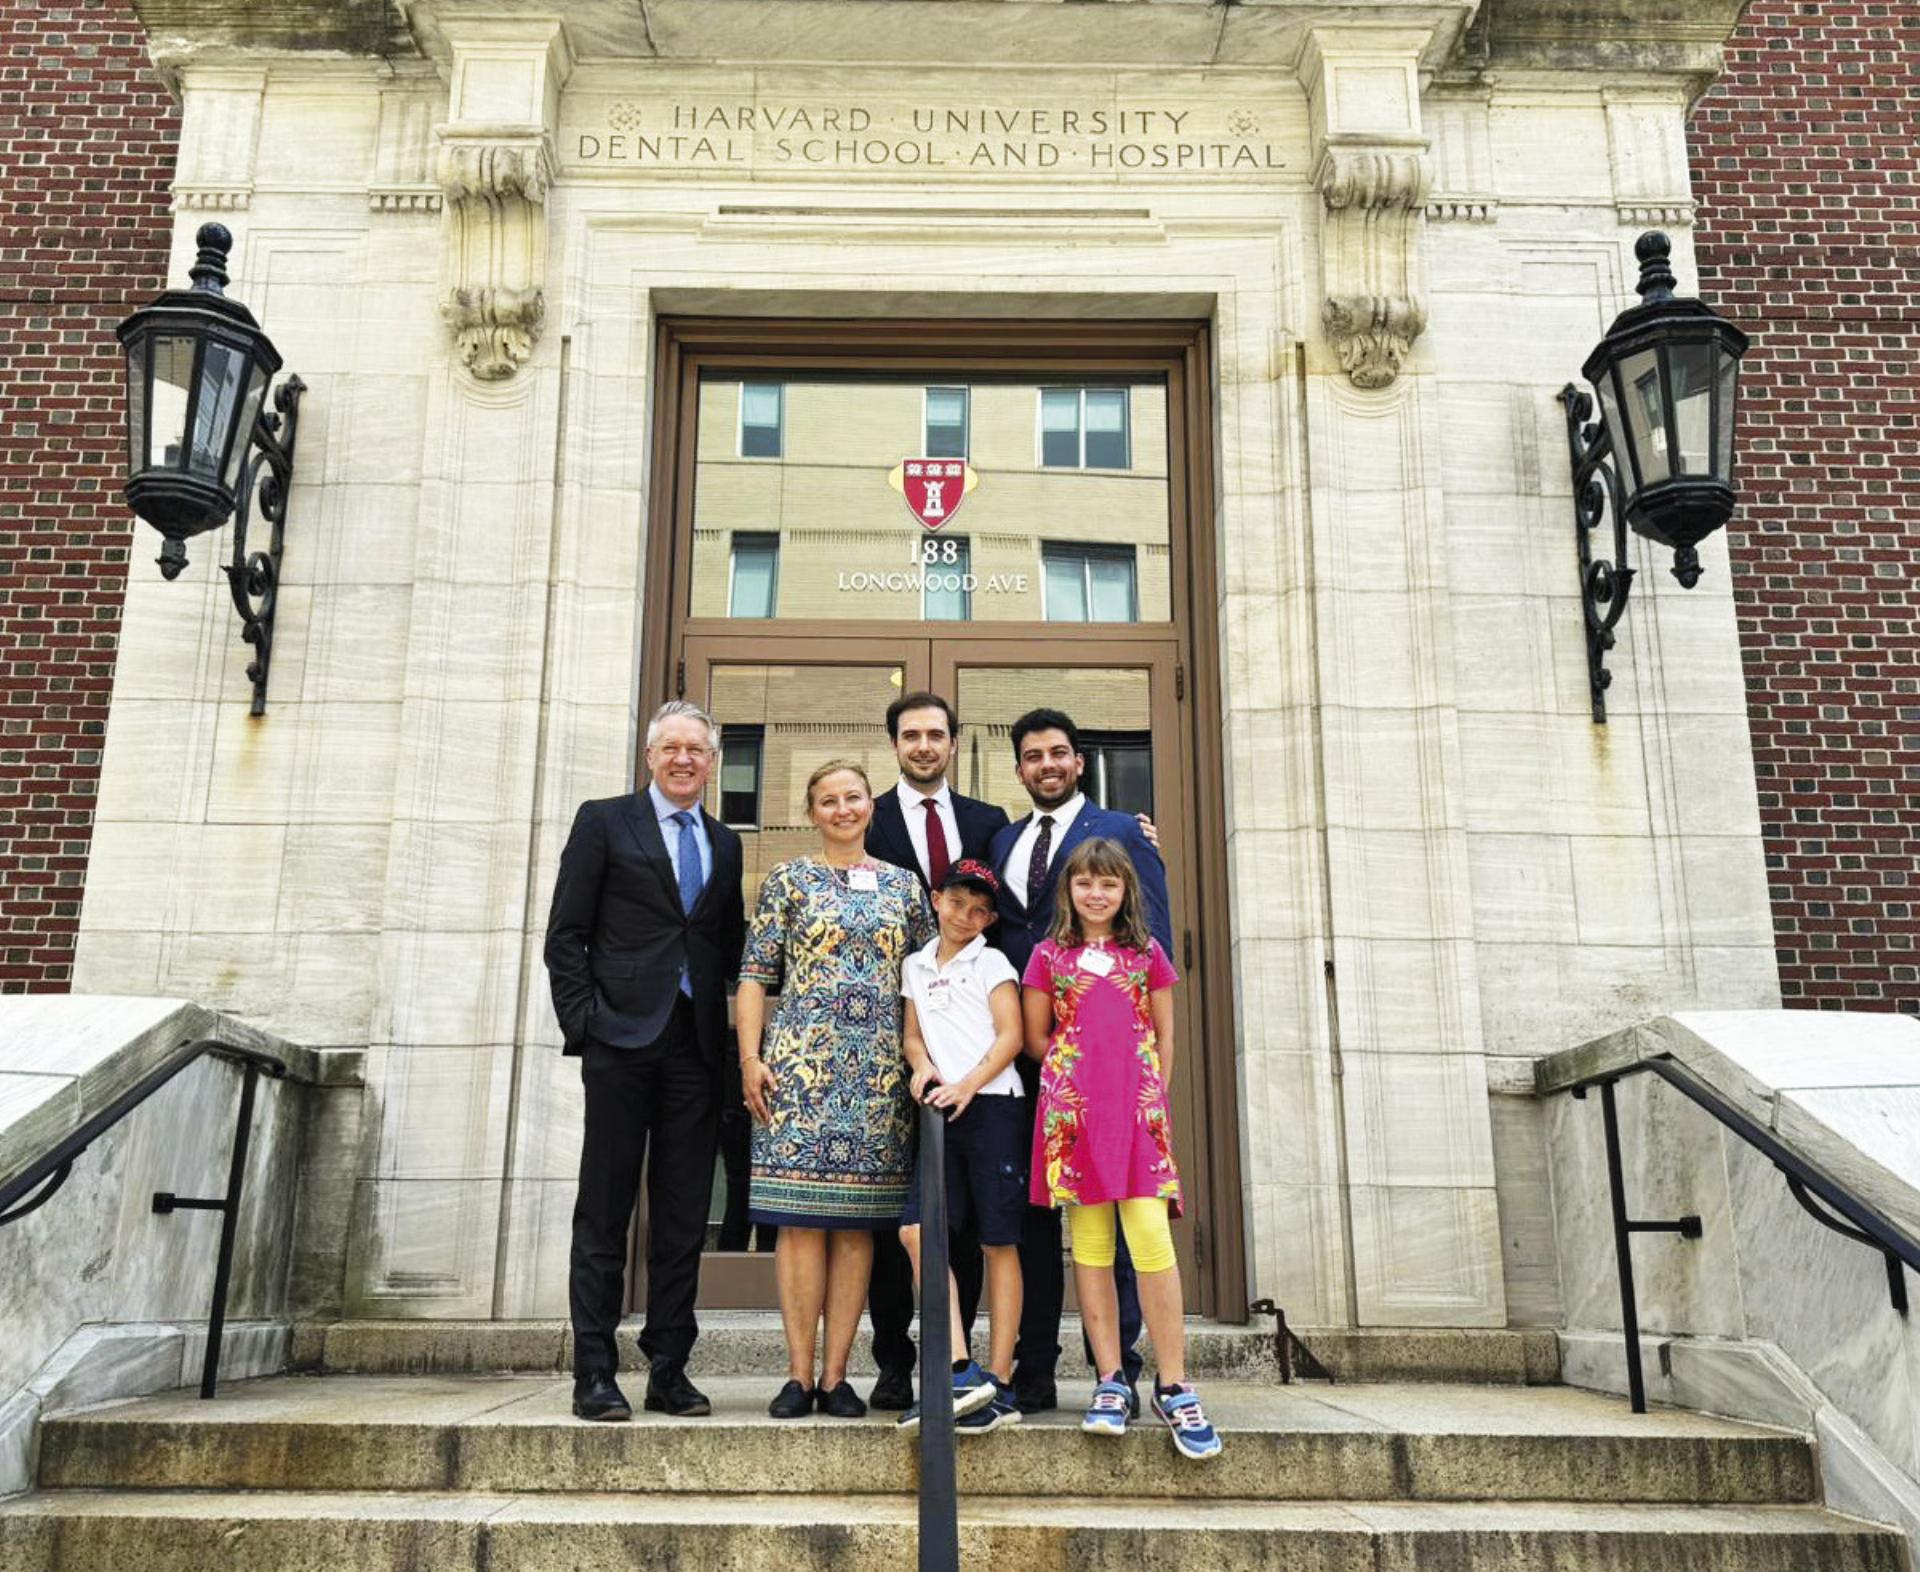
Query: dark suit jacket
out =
(887, 837)
(617, 939)
(1023, 925)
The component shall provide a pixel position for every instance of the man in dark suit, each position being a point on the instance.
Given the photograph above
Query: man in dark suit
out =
(923, 826)
(1028, 856)
(643, 938)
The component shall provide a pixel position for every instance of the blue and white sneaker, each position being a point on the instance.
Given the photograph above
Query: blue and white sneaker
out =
(1003, 1410)
(1193, 1433)
(1107, 1414)
(973, 1390)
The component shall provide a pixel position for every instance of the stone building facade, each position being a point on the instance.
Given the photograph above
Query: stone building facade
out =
(1414, 861)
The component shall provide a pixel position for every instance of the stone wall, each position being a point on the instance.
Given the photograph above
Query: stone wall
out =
(1805, 155)
(87, 139)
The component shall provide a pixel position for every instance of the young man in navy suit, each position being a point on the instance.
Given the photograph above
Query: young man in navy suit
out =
(923, 826)
(643, 938)
(1028, 856)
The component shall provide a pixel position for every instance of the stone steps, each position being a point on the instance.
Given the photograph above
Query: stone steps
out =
(747, 1342)
(516, 1435)
(197, 1532)
(490, 1473)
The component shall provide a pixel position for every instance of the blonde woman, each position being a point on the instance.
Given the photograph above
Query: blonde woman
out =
(826, 1079)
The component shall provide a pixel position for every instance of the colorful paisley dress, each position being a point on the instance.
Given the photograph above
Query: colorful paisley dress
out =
(1102, 1130)
(839, 1149)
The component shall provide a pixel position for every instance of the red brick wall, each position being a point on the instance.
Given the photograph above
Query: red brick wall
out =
(1806, 156)
(86, 150)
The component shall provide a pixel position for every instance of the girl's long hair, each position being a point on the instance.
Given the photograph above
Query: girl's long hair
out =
(1099, 855)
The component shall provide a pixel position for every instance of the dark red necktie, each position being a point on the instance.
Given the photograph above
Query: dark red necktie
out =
(1037, 864)
(936, 843)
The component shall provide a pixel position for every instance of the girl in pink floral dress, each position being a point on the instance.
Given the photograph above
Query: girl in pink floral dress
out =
(1098, 999)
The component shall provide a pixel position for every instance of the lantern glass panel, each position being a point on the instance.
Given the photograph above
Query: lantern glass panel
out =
(137, 406)
(243, 437)
(172, 385)
(1691, 369)
(1723, 433)
(1646, 414)
(1616, 427)
(222, 374)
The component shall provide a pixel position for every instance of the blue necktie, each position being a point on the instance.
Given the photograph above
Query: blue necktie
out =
(692, 878)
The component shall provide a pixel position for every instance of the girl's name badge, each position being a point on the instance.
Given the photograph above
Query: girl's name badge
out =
(1097, 963)
(863, 879)
(940, 994)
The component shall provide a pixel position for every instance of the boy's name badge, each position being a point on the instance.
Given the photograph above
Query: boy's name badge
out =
(1098, 962)
(940, 994)
(863, 879)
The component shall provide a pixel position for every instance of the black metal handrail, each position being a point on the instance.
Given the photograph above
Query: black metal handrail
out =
(1857, 1220)
(939, 1505)
(33, 1186)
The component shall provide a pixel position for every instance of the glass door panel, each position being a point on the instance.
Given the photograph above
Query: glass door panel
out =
(783, 710)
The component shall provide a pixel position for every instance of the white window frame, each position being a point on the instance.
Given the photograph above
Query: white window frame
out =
(1080, 429)
(1086, 552)
(740, 423)
(733, 572)
(966, 418)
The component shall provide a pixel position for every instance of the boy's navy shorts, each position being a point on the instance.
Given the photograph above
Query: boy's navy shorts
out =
(988, 1150)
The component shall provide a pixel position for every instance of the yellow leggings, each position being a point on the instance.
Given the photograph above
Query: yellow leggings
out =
(1149, 1237)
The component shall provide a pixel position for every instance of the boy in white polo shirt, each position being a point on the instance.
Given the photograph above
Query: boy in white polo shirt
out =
(963, 1033)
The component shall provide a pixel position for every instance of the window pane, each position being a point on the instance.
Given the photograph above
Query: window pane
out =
(760, 420)
(946, 423)
(1646, 414)
(1106, 428)
(1112, 588)
(213, 414)
(947, 597)
(756, 574)
(1729, 373)
(1066, 575)
(1060, 428)
(172, 376)
(740, 776)
(243, 437)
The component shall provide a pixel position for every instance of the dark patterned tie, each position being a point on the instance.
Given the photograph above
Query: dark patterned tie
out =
(1042, 854)
(937, 856)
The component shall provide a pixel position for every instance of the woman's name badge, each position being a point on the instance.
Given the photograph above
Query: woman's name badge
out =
(863, 879)
(1096, 962)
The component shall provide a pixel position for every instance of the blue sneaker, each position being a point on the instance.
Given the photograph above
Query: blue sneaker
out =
(1107, 1414)
(1002, 1410)
(973, 1390)
(1193, 1433)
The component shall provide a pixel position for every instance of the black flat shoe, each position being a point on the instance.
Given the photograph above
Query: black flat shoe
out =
(842, 1402)
(670, 1392)
(793, 1401)
(596, 1395)
(893, 1392)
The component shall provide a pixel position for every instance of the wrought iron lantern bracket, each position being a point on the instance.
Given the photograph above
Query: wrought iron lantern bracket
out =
(1605, 582)
(266, 477)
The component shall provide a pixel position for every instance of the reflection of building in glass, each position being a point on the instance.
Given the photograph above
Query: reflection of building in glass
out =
(792, 482)
(780, 723)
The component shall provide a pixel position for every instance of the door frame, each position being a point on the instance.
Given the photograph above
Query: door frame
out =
(1181, 351)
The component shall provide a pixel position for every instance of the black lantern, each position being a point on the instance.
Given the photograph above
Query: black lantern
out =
(1661, 457)
(198, 367)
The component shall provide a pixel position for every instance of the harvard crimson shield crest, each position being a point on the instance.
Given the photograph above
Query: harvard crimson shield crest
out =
(934, 487)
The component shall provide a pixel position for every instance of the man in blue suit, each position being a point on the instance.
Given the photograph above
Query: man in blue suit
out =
(924, 826)
(1028, 855)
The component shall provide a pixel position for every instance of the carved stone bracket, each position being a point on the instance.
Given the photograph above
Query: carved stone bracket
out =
(1363, 85)
(496, 203)
(1375, 306)
(494, 166)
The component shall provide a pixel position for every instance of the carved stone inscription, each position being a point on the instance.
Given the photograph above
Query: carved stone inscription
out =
(761, 134)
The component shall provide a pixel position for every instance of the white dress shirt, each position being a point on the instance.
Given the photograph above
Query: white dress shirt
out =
(913, 811)
(1014, 874)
